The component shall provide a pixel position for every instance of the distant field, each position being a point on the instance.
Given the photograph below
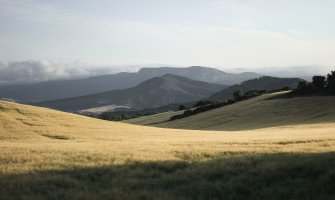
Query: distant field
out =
(259, 112)
(153, 119)
(99, 110)
(47, 154)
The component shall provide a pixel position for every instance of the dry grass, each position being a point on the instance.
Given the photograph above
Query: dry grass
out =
(39, 146)
(152, 120)
(256, 113)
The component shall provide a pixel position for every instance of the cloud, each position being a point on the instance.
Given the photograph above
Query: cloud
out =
(33, 10)
(37, 71)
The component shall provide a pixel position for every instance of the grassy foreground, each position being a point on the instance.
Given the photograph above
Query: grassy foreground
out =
(46, 154)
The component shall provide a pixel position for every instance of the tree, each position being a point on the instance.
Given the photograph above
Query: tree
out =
(182, 107)
(330, 85)
(304, 87)
(204, 103)
(286, 88)
(238, 94)
(319, 82)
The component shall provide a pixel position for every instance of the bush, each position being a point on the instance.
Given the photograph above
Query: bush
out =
(182, 107)
(330, 85)
(320, 85)
(115, 116)
(206, 105)
(319, 82)
(231, 101)
(286, 88)
(304, 87)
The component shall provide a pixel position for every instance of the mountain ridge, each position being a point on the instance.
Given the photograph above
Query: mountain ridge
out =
(61, 89)
(155, 92)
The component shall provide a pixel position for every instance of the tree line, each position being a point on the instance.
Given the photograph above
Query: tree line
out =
(206, 105)
(319, 85)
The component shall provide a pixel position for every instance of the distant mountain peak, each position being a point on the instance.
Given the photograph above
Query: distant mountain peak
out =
(155, 92)
(52, 90)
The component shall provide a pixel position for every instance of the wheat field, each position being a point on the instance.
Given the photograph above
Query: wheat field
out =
(47, 154)
(261, 112)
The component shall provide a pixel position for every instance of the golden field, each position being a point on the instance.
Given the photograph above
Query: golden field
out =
(47, 154)
(260, 112)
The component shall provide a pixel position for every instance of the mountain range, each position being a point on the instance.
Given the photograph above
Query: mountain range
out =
(61, 89)
(155, 92)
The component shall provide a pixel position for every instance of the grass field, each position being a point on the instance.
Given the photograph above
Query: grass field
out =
(46, 154)
(152, 120)
(260, 112)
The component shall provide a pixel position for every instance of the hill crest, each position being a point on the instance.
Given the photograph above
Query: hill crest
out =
(260, 112)
(61, 89)
(155, 92)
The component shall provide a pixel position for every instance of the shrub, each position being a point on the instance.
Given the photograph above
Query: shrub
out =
(203, 103)
(319, 83)
(304, 87)
(330, 85)
(286, 88)
(115, 116)
(182, 107)
(206, 105)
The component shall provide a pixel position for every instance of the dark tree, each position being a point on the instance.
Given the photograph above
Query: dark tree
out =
(331, 82)
(182, 107)
(286, 88)
(204, 103)
(304, 87)
(319, 82)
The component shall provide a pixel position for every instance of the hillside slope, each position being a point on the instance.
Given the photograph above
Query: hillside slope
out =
(156, 92)
(61, 89)
(260, 112)
(23, 122)
(262, 83)
(151, 120)
(48, 154)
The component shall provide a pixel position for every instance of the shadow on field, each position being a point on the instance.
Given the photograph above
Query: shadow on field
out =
(265, 176)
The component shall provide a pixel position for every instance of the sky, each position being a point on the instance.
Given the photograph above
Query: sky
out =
(226, 34)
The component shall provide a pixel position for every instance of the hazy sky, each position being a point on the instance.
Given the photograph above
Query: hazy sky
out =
(219, 33)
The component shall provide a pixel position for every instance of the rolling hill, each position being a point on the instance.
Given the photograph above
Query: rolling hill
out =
(155, 119)
(61, 89)
(156, 92)
(48, 154)
(263, 83)
(259, 112)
